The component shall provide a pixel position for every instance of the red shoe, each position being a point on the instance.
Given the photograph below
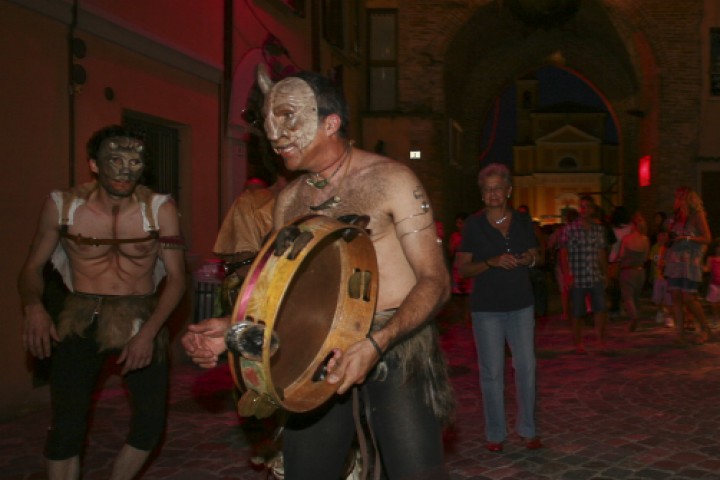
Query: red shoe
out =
(494, 447)
(533, 443)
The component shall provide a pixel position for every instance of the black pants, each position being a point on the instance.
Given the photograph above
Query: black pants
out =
(76, 365)
(409, 436)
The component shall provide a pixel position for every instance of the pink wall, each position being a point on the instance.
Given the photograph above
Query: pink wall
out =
(190, 26)
(36, 126)
(34, 145)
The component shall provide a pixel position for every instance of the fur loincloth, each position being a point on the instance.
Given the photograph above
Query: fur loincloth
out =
(420, 358)
(119, 318)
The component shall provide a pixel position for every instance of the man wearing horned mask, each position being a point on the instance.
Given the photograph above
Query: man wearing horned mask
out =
(112, 240)
(399, 368)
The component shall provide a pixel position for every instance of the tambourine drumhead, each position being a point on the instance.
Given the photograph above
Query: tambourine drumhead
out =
(322, 299)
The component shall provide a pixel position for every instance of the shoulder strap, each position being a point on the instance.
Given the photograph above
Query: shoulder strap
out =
(145, 197)
(67, 201)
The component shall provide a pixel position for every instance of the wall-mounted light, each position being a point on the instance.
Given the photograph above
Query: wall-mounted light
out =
(644, 165)
(415, 155)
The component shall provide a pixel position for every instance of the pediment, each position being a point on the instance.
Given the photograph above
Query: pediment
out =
(568, 134)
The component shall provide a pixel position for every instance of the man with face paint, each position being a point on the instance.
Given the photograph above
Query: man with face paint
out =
(113, 241)
(399, 368)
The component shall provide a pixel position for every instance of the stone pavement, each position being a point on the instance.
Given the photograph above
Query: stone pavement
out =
(645, 410)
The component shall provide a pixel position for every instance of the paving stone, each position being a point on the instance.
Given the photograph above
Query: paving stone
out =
(645, 410)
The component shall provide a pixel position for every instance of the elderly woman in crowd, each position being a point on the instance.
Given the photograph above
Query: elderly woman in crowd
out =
(498, 249)
(689, 236)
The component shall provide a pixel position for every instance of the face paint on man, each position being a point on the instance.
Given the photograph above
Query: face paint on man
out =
(120, 165)
(291, 120)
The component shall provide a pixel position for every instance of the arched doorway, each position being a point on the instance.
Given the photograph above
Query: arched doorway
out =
(559, 137)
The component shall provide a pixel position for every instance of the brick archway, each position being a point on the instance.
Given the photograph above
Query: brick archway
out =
(641, 56)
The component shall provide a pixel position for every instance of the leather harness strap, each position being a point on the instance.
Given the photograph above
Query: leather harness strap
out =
(80, 240)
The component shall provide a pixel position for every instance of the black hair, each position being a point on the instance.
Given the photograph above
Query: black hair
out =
(330, 99)
(620, 216)
(93, 145)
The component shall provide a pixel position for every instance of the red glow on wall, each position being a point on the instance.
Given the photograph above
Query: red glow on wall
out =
(644, 171)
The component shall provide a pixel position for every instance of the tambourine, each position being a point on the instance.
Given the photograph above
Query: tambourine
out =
(311, 289)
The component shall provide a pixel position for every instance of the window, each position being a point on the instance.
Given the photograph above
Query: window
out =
(333, 23)
(568, 163)
(715, 62)
(161, 172)
(340, 26)
(382, 60)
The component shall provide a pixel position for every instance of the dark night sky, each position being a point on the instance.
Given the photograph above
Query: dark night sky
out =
(556, 85)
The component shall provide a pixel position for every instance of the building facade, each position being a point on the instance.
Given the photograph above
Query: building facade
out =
(420, 77)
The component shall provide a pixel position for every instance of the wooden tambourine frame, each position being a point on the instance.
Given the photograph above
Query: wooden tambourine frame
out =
(322, 299)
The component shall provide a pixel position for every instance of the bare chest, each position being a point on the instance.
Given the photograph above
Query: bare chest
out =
(95, 235)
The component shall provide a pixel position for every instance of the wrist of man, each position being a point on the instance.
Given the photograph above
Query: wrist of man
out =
(32, 307)
(151, 327)
(379, 340)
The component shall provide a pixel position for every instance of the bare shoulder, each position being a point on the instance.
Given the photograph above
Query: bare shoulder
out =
(168, 205)
(49, 214)
(287, 201)
(390, 192)
(169, 218)
(377, 165)
(383, 178)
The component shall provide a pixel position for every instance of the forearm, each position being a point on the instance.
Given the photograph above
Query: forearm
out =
(169, 299)
(471, 269)
(30, 288)
(701, 239)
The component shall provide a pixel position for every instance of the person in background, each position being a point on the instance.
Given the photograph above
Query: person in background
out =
(537, 273)
(659, 225)
(660, 294)
(498, 249)
(553, 245)
(619, 226)
(583, 257)
(634, 250)
(689, 236)
(399, 366)
(460, 285)
(113, 241)
(248, 221)
(245, 227)
(712, 265)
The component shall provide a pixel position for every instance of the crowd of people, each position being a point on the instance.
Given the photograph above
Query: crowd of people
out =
(603, 265)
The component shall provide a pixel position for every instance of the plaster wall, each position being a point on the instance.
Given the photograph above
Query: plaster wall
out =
(34, 143)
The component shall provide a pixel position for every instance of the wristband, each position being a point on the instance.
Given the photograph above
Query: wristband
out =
(374, 344)
(532, 264)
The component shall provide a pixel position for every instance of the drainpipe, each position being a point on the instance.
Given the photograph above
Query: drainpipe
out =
(225, 89)
(71, 93)
(315, 34)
